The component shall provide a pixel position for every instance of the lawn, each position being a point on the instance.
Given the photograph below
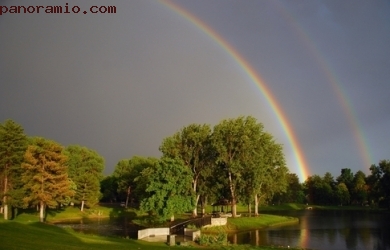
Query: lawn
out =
(251, 223)
(25, 232)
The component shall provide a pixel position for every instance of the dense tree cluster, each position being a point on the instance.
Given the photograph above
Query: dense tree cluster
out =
(350, 188)
(235, 161)
(37, 172)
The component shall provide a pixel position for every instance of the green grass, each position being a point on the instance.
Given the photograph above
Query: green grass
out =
(25, 232)
(37, 236)
(251, 223)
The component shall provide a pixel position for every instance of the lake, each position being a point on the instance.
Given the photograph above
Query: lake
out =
(316, 230)
(325, 230)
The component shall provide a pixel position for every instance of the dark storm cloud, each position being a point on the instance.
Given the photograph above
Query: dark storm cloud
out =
(120, 83)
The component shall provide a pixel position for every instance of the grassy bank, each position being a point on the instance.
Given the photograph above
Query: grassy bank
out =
(252, 223)
(37, 236)
(25, 232)
(296, 206)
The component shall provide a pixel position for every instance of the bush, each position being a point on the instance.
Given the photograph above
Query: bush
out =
(213, 239)
(191, 226)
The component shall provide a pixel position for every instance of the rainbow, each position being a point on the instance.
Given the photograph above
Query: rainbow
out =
(335, 83)
(256, 79)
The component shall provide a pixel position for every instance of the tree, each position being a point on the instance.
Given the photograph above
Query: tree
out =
(294, 192)
(244, 154)
(342, 194)
(168, 189)
(127, 170)
(319, 191)
(346, 177)
(274, 179)
(379, 182)
(85, 167)
(359, 191)
(108, 188)
(192, 145)
(45, 175)
(13, 144)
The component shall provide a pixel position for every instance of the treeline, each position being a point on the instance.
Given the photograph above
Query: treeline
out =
(351, 189)
(235, 161)
(37, 172)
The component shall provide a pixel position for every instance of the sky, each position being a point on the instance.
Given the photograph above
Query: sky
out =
(120, 83)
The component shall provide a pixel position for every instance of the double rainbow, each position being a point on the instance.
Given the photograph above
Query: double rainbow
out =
(255, 77)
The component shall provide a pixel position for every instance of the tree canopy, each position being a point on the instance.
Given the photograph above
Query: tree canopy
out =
(45, 175)
(85, 167)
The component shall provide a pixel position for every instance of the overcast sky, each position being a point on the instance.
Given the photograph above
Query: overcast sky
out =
(120, 83)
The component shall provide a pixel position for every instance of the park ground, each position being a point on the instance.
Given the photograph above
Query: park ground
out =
(25, 232)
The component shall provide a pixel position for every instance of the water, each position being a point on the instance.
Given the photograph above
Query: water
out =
(325, 230)
(119, 227)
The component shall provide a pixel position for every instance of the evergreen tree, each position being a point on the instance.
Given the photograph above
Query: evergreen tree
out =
(13, 144)
(45, 175)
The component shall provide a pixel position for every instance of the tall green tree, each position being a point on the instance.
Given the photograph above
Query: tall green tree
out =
(168, 189)
(274, 180)
(342, 194)
(379, 182)
(360, 188)
(294, 192)
(346, 177)
(108, 188)
(319, 190)
(13, 144)
(85, 169)
(192, 145)
(244, 154)
(125, 173)
(45, 175)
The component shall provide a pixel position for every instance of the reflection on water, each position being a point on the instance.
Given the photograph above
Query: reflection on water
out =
(325, 230)
(316, 230)
(121, 227)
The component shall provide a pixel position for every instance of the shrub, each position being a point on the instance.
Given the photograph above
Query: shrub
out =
(213, 239)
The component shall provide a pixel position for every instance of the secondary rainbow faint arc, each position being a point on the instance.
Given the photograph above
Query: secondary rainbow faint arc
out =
(254, 76)
(334, 82)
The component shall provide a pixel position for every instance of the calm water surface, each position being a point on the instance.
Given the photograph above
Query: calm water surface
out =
(321, 230)
(325, 230)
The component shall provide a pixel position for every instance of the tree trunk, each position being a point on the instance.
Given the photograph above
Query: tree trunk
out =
(41, 212)
(5, 205)
(256, 205)
(195, 211)
(128, 195)
(234, 209)
(231, 186)
(249, 209)
(82, 206)
(172, 218)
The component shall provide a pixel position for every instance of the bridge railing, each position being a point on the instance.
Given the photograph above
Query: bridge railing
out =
(198, 222)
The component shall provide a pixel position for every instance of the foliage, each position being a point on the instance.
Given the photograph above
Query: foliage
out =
(168, 188)
(191, 226)
(108, 189)
(45, 175)
(218, 239)
(125, 173)
(294, 191)
(192, 145)
(13, 144)
(85, 167)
